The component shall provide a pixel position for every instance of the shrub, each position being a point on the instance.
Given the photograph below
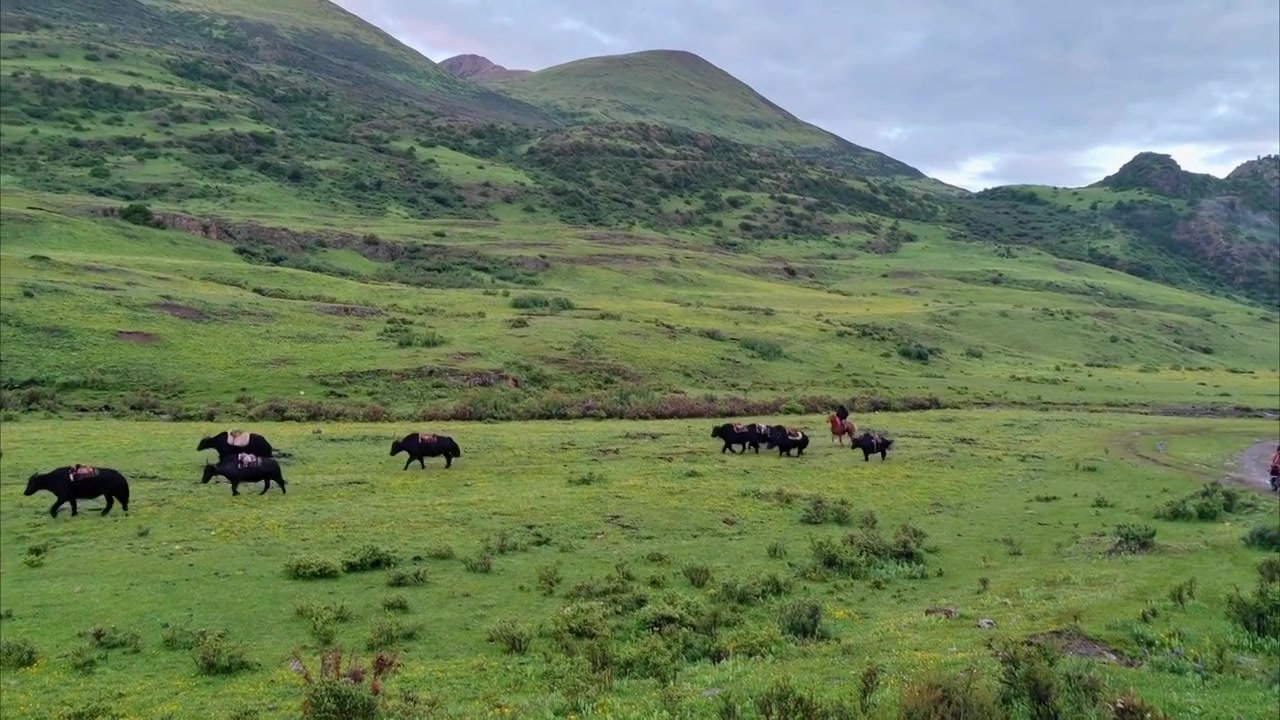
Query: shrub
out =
(215, 654)
(1258, 613)
(801, 619)
(395, 603)
(513, 637)
(368, 557)
(764, 349)
(16, 654)
(109, 638)
(820, 510)
(312, 567)
(948, 697)
(1263, 537)
(406, 578)
(1133, 539)
(697, 574)
(777, 550)
(548, 578)
(441, 552)
(481, 563)
(386, 634)
(337, 694)
(1131, 707)
(868, 683)
(1183, 592)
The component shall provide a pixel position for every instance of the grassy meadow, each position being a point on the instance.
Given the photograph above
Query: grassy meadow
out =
(273, 216)
(607, 522)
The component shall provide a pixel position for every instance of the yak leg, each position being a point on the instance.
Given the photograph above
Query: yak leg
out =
(53, 510)
(448, 461)
(266, 485)
(110, 503)
(235, 489)
(408, 462)
(422, 462)
(75, 508)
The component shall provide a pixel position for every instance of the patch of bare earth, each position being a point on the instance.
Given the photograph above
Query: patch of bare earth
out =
(903, 274)
(182, 311)
(1076, 644)
(136, 337)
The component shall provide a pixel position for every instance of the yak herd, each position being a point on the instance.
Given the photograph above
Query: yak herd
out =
(245, 457)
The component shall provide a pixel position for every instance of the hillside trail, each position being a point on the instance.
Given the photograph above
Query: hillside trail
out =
(1253, 465)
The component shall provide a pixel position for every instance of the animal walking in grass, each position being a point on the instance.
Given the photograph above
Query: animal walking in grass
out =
(748, 436)
(873, 444)
(424, 445)
(81, 482)
(246, 468)
(786, 439)
(234, 442)
(840, 426)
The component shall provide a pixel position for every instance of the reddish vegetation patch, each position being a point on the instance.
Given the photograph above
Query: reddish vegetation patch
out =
(349, 310)
(182, 311)
(134, 336)
(903, 274)
(530, 263)
(1064, 267)
(1103, 315)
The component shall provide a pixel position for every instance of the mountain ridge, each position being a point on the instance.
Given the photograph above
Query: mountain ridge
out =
(477, 68)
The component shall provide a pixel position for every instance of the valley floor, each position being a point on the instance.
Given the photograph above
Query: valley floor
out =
(542, 521)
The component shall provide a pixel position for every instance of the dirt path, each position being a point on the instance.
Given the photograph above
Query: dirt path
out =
(1253, 465)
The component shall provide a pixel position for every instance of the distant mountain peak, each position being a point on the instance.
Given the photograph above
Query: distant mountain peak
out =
(477, 68)
(1265, 167)
(1160, 174)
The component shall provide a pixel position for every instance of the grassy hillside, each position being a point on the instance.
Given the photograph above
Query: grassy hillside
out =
(512, 271)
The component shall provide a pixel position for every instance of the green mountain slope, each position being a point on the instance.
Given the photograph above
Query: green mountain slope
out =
(376, 237)
(681, 89)
(1151, 219)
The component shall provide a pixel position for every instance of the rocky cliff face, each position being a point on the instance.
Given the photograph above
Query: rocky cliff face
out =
(477, 68)
(1159, 174)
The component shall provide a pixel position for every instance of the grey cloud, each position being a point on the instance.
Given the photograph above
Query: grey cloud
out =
(1031, 84)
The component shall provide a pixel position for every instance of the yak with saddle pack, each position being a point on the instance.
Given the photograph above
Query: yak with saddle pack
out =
(235, 442)
(246, 468)
(750, 435)
(786, 439)
(424, 445)
(81, 482)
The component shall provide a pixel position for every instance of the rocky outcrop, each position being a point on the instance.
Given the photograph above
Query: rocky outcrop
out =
(478, 68)
(1160, 174)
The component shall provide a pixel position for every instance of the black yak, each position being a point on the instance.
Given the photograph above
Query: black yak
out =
(81, 482)
(870, 444)
(787, 439)
(234, 442)
(424, 445)
(246, 468)
(744, 435)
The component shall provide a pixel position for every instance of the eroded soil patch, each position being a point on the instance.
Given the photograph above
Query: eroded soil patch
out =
(135, 336)
(182, 311)
(1076, 644)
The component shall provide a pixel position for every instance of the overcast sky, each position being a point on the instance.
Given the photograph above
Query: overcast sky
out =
(973, 92)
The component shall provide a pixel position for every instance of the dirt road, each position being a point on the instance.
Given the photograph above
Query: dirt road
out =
(1255, 463)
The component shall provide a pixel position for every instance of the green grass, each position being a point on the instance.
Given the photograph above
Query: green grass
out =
(649, 318)
(190, 556)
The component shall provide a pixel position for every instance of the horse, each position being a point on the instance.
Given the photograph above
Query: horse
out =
(81, 482)
(840, 428)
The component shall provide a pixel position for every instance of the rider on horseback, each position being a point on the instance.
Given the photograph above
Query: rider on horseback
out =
(1275, 470)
